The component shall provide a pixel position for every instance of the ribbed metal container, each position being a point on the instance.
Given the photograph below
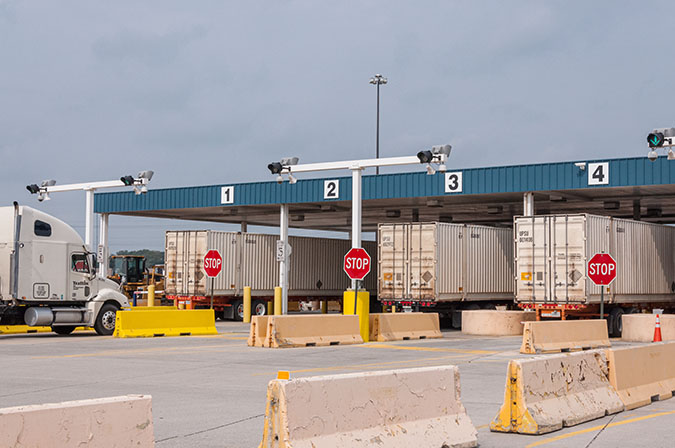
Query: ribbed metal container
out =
(250, 260)
(552, 254)
(444, 262)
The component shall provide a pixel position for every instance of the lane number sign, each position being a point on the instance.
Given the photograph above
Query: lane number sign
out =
(227, 195)
(453, 182)
(598, 173)
(331, 189)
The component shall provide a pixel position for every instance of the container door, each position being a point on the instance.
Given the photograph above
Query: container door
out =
(532, 256)
(567, 258)
(393, 261)
(422, 264)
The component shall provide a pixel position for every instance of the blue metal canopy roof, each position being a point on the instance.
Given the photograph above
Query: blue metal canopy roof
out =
(625, 172)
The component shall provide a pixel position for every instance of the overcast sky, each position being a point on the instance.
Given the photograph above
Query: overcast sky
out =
(208, 92)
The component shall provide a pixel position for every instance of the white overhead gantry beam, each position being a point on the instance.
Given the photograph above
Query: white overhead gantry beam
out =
(289, 167)
(49, 186)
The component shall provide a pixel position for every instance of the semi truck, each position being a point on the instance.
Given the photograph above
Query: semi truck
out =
(249, 259)
(48, 276)
(551, 258)
(444, 267)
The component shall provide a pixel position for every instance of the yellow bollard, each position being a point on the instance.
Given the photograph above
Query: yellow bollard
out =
(360, 307)
(393, 308)
(324, 307)
(277, 301)
(247, 304)
(151, 295)
(269, 307)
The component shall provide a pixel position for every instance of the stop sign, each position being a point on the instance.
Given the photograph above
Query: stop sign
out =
(213, 263)
(602, 269)
(357, 263)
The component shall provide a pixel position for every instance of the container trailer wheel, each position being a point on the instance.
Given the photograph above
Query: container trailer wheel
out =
(238, 308)
(105, 321)
(63, 329)
(615, 322)
(259, 308)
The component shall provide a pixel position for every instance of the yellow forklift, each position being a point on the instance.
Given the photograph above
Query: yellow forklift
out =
(131, 273)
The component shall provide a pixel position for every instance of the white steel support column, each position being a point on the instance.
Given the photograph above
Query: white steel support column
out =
(283, 265)
(356, 211)
(89, 218)
(103, 242)
(244, 227)
(528, 204)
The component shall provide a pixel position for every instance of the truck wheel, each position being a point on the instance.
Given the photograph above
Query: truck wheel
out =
(615, 322)
(259, 308)
(238, 308)
(63, 329)
(105, 321)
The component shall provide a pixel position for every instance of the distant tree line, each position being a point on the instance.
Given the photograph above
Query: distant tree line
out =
(152, 257)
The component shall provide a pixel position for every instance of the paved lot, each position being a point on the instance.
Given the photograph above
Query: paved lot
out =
(210, 391)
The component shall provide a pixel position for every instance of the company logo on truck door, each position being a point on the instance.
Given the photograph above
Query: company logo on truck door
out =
(41, 290)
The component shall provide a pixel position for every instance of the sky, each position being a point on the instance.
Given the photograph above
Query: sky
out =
(209, 92)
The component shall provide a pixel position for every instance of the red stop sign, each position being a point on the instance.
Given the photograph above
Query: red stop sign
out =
(602, 269)
(213, 263)
(357, 263)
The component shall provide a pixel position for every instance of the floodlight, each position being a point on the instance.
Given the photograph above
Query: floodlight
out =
(287, 161)
(48, 183)
(441, 149)
(146, 175)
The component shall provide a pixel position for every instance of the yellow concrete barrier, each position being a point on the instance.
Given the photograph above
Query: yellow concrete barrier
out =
(404, 408)
(643, 374)
(102, 422)
(495, 322)
(306, 331)
(546, 393)
(153, 322)
(640, 327)
(403, 326)
(257, 336)
(564, 335)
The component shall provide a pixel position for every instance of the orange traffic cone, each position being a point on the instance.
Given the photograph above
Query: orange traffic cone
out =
(657, 330)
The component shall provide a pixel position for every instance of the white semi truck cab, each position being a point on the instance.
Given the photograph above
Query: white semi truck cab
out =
(48, 277)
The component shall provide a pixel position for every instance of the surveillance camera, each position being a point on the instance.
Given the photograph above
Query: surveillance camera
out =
(581, 165)
(652, 155)
(280, 180)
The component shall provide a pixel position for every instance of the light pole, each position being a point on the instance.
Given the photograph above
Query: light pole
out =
(438, 155)
(377, 80)
(140, 184)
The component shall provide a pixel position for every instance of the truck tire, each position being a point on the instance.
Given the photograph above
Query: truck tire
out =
(105, 321)
(259, 308)
(615, 322)
(238, 310)
(63, 329)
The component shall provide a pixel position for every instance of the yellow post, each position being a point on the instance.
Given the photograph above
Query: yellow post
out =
(393, 308)
(360, 307)
(247, 304)
(151, 295)
(324, 307)
(277, 301)
(269, 307)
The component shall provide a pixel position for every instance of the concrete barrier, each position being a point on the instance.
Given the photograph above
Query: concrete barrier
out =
(495, 323)
(100, 423)
(564, 335)
(643, 374)
(403, 326)
(397, 408)
(257, 336)
(546, 393)
(640, 327)
(154, 322)
(312, 330)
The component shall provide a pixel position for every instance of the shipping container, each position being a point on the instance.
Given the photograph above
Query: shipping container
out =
(552, 252)
(250, 260)
(434, 264)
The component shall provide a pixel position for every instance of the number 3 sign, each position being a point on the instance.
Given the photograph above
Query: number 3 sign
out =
(453, 182)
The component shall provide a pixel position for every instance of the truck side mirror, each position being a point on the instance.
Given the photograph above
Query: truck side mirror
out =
(92, 264)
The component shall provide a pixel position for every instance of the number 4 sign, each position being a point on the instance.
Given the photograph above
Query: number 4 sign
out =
(453, 182)
(598, 173)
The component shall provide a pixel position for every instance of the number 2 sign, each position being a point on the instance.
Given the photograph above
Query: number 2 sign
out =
(331, 189)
